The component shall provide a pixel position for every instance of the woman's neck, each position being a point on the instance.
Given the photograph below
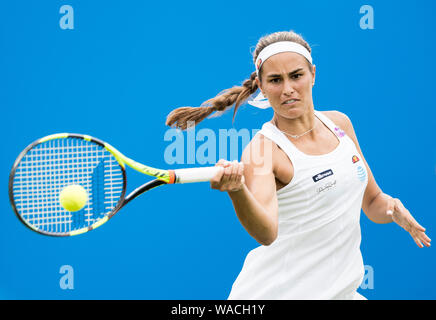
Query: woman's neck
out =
(296, 126)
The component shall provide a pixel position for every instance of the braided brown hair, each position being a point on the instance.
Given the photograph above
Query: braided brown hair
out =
(233, 96)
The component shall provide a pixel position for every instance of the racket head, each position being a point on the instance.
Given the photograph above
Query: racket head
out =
(48, 165)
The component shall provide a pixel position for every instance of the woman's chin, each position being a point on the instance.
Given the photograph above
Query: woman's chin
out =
(293, 112)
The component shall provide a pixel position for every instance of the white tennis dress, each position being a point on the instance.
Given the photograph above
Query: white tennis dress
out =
(317, 251)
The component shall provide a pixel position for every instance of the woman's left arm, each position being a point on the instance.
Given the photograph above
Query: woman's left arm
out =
(378, 206)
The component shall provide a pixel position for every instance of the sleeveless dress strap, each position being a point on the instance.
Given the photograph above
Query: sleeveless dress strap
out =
(330, 124)
(271, 132)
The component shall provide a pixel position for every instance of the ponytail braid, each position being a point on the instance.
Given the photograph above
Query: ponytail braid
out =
(234, 96)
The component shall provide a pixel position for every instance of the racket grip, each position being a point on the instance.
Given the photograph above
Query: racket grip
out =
(195, 174)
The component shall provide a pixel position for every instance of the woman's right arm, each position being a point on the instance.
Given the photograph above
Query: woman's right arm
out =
(252, 188)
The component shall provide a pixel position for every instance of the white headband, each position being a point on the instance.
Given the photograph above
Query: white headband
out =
(279, 47)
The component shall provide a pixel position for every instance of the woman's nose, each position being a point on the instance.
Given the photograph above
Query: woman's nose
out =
(288, 89)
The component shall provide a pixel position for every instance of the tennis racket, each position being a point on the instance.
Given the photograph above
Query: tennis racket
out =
(50, 164)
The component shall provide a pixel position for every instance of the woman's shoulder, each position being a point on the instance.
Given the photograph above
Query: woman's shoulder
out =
(336, 116)
(259, 150)
(259, 144)
(340, 119)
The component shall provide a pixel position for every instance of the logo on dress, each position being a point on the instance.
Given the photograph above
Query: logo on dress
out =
(355, 159)
(322, 175)
(327, 187)
(339, 132)
(361, 174)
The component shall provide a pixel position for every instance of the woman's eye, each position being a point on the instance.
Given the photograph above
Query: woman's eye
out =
(275, 80)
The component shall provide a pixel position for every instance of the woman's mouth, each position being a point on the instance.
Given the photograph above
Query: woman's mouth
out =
(290, 102)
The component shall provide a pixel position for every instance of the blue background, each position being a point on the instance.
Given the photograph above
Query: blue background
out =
(126, 65)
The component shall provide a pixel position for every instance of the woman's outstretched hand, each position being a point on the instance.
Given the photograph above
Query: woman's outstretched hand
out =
(402, 217)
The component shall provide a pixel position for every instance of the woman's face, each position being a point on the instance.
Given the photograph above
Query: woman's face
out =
(287, 82)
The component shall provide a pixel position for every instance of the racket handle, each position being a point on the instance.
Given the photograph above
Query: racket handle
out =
(196, 174)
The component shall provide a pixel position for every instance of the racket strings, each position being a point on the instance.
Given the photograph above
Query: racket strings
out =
(51, 166)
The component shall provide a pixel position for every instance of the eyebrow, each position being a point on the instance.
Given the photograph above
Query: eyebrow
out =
(278, 75)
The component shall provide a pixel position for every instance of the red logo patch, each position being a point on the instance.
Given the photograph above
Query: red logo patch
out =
(355, 159)
(259, 63)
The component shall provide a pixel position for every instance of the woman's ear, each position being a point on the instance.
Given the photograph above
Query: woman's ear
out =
(314, 74)
(259, 86)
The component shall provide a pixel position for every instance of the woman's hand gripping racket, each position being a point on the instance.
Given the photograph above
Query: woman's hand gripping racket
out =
(63, 162)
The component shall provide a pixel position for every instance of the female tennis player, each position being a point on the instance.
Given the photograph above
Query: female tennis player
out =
(300, 185)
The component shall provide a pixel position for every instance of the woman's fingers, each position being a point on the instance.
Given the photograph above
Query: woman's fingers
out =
(416, 225)
(241, 173)
(403, 217)
(418, 242)
(234, 178)
(230, 178)
(220, 163)
(214, 182)
(418, 234)
(426, 238)
(422, 238)
(228, 173)
(235, 169)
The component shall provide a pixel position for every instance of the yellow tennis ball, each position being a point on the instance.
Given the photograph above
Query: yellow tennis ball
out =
(73, 197)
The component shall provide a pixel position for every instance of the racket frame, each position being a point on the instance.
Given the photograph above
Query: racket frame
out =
(95, 225)
(162, 177)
